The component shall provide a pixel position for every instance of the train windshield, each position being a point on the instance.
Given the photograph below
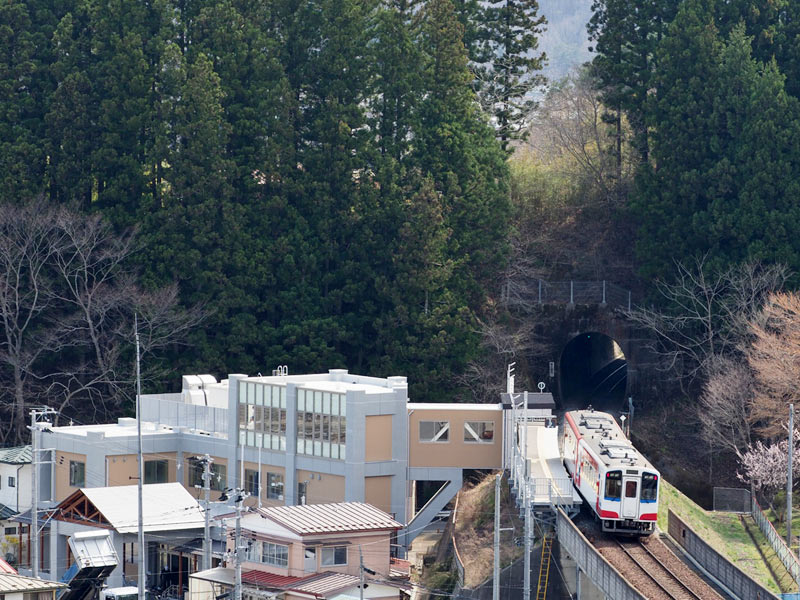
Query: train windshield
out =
(613, 485)
(649, 487)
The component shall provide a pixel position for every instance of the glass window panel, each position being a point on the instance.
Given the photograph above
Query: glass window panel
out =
(259, 440)
(283, 444)
(259, 395)
(326, 403)
(283, 397)
(317, 402)
(326, 449)
(342, 452)
(342, 430)
(317, 427)
(326, 428)
(301, 446)
(334, 430)
(276, 420)
(251, 417)
(309, 425)
(251, 438)
(283, 421)
(342, 404)
(317, 448)
(301, 400)
(479, 432)
(242, 395)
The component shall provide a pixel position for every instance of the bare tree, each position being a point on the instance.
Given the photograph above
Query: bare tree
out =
(775, 360)
(68, 299)
(707, 313)
(724, 406)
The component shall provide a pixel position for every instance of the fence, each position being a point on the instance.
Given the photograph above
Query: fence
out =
(526, 292)
(732, 500)
(589, 560)
(168, 409)
(787, 557)
(457, 562)
(714, 563)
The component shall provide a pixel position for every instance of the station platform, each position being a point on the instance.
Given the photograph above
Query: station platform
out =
(549, 483)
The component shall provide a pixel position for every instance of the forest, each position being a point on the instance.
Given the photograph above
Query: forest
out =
(352, 183)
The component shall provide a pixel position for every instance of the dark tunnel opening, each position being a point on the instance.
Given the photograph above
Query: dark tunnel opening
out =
(593, 370)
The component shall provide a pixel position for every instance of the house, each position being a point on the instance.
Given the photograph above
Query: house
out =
(314, 551)
(171, 518)
(18, 587)
(296, 541)
(16, 472)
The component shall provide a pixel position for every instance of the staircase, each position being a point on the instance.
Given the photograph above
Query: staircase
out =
(544, 566)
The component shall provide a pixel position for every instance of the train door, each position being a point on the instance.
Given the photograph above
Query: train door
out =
(630, 498)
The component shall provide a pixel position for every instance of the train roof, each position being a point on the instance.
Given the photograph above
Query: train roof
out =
(604, 436)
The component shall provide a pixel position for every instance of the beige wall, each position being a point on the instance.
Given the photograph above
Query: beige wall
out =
(265, 469)
(198, 492)
(378, 438)
(378, 492)
(63, 488)
(455, 452)
(123, 469)
(321, 491)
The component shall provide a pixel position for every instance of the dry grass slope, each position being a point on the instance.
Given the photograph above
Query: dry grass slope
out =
(474, 529)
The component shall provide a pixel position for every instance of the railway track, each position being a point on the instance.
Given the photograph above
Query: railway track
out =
(662, 578)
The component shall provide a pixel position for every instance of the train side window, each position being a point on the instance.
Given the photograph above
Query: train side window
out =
(630, 489)
(613, 485)
(649, 487)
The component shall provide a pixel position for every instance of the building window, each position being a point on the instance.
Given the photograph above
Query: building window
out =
(302, 491)
(10, 531)
(321, 424)
(219, 474)
(479, 432)
(334, 556)
(268, 553)
(155, 471)
(274, 486)
(251, 482)
(77, 473)
(12, 482)
(434, 431)
(262, 415)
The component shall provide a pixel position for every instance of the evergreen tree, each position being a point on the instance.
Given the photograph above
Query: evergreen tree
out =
(509, 79)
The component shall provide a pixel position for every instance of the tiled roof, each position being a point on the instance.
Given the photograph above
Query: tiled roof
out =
(269, 580)
(16, 456)
(325, 584)
(17, 583)
(330, 518)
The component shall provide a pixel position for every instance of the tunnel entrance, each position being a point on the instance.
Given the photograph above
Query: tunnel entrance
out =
(592, 370)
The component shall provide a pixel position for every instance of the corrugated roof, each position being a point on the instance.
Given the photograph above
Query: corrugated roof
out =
(16, 456)
(270, 580)
(330, 518)
(325, 584)
(6, 512)
(19, 583)
(165, 507)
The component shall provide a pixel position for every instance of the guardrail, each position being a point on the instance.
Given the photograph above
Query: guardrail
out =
(738, 582)
(787, 557)
(589, 560)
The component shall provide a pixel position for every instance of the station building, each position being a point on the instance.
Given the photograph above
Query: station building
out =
(291, 440)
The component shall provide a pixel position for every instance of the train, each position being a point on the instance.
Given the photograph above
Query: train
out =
(617, 483)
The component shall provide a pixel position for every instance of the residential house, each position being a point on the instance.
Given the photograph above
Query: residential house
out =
(18, 587)
(16, 471)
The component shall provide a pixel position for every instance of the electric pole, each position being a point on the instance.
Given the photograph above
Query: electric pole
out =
(789, 480)
(496, 577)
(143, 554)
(38, 423)
(237, 557)
(207, 497)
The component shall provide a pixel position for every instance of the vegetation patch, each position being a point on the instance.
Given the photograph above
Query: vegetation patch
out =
(732, 535)
(474, 529)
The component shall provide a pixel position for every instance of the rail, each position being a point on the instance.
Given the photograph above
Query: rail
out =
(590, 561)
(528, 292)
(787, 557)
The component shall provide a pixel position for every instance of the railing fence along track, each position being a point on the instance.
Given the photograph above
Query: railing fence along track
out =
(526, 292)
(787, 557)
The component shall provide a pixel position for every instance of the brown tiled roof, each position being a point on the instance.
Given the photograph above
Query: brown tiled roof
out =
(340, 517)
(270, 580)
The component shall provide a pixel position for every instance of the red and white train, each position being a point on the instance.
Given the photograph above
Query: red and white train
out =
(615, 480)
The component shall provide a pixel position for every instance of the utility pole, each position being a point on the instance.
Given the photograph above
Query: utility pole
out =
(143, 555)
(237, 557)
(361, 573)
(789, 480)
(207, 497)
(527, 565)
(38, 422)
(496, 576)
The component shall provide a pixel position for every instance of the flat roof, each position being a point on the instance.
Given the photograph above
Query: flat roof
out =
(452, 406)
(119, 429)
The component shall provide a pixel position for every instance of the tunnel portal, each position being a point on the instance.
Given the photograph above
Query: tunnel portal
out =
(592, 370)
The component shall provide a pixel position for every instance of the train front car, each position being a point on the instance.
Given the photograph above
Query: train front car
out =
(617, 482)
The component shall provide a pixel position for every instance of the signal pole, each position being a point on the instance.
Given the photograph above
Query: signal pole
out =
(207, 497)
(496, 577)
